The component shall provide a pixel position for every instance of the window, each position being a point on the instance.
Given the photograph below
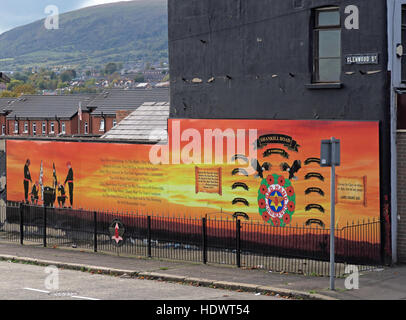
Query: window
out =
(63, 128)
(15, 126)
(26, 127)
(52, 127)
(44, 128)
(3, 129)
(404, 43)
(327, 45)
(34, 129)
(86, 128)
(102, 125)
(114, 122)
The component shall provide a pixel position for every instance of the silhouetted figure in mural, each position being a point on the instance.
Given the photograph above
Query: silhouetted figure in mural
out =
(69, 180)
(34, 193)
(62, 196)
(27, 179)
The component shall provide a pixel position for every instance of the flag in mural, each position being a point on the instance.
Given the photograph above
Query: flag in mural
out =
(41, 183)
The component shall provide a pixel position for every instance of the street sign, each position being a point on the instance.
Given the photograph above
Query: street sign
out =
(326, 153)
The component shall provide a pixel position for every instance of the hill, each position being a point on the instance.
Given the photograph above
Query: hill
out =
(123, 31)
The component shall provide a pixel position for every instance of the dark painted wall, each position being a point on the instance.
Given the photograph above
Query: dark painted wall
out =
(251, 41)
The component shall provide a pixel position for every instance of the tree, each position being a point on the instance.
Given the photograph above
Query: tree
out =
(8, 94)
(166, 78)
(139, 77)
(14, 83)
(20, 76)
(25, 89)
(110, 68)
(68, 75)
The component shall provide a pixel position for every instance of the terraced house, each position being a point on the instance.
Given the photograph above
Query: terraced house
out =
(72, 115)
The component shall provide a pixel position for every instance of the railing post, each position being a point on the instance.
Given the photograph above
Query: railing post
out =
(204, 239)
(22, 223)
(95, 231)
(45, 226)
(149, 236)
(238, 244)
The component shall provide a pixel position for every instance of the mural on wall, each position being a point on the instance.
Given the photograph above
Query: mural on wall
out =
(261, 170)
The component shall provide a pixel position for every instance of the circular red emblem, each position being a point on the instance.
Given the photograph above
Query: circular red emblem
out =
(276, 200)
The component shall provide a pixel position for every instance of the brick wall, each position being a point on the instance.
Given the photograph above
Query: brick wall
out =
(96, 124)
(69, 126)
(401, 177)
(121, 114)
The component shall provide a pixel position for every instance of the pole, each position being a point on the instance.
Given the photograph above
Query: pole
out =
(332, 214)
(204, 240)
(149, 236)
(22, 223)
(238, 244)
(45, 227)
(95, 231)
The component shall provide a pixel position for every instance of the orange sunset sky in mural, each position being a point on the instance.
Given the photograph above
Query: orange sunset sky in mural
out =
(120, 177)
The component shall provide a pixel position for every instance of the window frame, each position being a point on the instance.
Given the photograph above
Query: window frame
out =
(34, 128)
(316, 28)
(52, 128)
(63, 128)
(26, 127)
(16, 127)
(102, 125)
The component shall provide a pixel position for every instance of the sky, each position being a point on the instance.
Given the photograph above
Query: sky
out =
(16, 13)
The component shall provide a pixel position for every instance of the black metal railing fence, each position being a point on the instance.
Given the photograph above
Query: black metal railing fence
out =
(299, 249)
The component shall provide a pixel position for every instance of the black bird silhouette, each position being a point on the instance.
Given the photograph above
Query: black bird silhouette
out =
(297, 164)
(239, 156)
(260, 168)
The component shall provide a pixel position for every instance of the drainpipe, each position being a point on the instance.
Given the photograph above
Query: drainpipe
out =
(393, 62)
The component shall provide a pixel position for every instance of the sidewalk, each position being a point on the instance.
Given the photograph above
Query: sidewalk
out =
(382, 284)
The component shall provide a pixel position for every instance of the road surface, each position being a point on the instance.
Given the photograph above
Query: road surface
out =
(32, 282)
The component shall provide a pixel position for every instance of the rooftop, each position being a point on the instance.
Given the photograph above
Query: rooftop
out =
(6, 103)
(4, 78)
(48, 106)
(148, 123)
(114, 100)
